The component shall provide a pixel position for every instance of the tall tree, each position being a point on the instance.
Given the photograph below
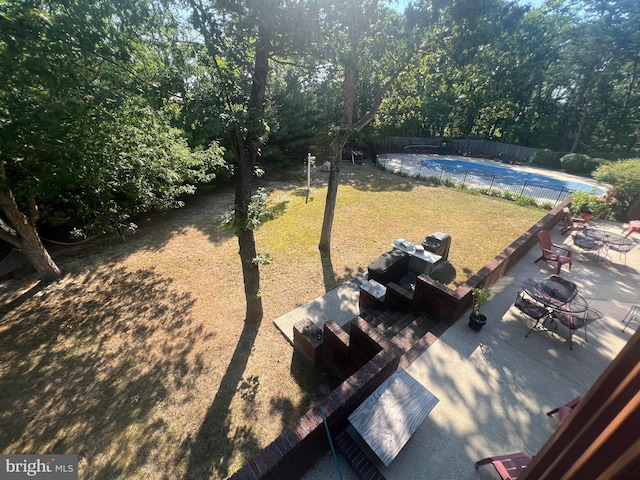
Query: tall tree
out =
(370, 45)
(241, 38)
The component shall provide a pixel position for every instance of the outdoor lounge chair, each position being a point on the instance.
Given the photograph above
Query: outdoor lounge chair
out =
(563, 411)
(633, 226)
(509, 467)
(572, 223)
(553, 252)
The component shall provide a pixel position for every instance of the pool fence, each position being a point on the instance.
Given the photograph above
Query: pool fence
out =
(544, 195)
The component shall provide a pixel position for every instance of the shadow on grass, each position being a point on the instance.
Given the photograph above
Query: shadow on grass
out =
(20, 298)
(203, 211)
(373, 179)
(84, 363)
(206, 452)
(316, 382)
(328, 274)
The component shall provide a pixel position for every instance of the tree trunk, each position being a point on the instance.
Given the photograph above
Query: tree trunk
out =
(246, 151)
(246, 239)
(633, 212)
(337, 144)
(22, 234)
(583, 119)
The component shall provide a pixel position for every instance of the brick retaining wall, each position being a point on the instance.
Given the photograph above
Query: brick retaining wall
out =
(304, 443)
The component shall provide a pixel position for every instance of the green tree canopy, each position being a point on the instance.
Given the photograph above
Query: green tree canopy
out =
(86, 113)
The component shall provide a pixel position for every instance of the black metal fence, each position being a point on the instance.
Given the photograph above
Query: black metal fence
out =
(493, 184)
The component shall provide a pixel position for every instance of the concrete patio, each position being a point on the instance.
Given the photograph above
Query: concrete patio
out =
(495, 386)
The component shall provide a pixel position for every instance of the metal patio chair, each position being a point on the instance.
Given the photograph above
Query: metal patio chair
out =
(632, 314)
(509, 467)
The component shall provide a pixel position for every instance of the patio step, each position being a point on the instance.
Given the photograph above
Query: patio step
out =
(359, 462)
(418, 347)
(392, 330)
(413, 334)
(389, 320)
(382, 318)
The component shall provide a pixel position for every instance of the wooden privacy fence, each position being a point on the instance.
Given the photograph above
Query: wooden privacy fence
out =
(486, 148)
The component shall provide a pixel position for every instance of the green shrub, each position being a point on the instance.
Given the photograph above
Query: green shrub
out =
(592, 163)
(447, 182)
(547, 158)
(587, 202)
(574, 162)
(612, 156)
(526, 201)
(624, 176)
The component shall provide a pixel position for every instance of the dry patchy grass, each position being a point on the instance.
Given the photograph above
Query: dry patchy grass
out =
(138, 359)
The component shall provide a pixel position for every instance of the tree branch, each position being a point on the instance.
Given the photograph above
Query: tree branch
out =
(8, 234)
(373, 111)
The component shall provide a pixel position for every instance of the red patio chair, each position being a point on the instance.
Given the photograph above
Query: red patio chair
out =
(573, 223)
(553, 252)
(563, 411)
(634, 226)
(509, 467)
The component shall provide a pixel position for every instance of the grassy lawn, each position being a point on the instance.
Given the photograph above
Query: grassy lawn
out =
(137, 360)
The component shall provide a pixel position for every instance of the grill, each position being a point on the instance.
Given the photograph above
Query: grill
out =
(438, 243)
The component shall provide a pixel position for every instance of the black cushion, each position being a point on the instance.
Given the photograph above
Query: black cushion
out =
(389, 267)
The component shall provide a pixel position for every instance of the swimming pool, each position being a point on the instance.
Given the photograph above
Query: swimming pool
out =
(504, 173)
(512, 180)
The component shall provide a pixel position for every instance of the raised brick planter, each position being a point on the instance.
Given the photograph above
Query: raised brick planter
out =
(307, 339)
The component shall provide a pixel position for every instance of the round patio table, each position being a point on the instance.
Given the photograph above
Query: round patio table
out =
(609, 240)
(561, 300)
(556, 294)
(607, 237)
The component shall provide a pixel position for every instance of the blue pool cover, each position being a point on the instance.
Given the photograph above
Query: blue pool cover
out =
(505, 172)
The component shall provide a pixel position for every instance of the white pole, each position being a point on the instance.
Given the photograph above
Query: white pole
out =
(310, 161)
(308, 173)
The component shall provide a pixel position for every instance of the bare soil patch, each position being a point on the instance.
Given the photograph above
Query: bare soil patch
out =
(138, 359)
